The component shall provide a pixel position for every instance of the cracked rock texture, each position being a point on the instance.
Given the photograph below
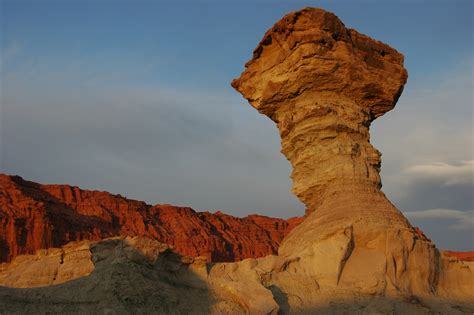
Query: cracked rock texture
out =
(355, 253)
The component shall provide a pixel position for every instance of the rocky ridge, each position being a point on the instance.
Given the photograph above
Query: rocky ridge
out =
(34, 216)
(464, 256)
(125, 275)
(355, 253)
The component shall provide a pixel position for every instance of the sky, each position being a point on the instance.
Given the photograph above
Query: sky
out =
(134, 98)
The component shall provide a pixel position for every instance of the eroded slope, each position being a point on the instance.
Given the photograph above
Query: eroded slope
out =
(34, 216)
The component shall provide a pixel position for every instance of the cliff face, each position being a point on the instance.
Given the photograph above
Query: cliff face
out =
(354, 253)
(34, 216)
(465, 256)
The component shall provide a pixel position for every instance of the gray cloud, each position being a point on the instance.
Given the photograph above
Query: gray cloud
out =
(463, 220)
(427, 144)
(447, 174)
(207, 148)
(433, 185)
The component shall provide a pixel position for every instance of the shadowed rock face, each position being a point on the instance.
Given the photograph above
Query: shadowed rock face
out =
(113, 276)
(133, 275)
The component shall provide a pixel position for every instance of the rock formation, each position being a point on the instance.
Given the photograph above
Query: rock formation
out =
(129, 275)
(48, 266)
(323, 85)
(34, 216)
(464, 256)
(133, 275)
(355, 253)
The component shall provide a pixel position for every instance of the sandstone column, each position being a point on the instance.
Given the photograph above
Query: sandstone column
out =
(323, 84)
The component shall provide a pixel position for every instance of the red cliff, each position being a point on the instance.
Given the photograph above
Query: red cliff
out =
(465, 256)
(34, 216)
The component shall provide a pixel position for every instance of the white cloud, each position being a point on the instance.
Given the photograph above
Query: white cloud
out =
(463, 219)
(461, 173)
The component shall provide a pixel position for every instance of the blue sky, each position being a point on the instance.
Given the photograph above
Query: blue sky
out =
(134, 97)
(174, 43)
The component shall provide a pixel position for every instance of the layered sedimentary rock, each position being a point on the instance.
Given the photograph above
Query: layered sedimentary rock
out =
(48, 266)
(323, 84)
(129, 275)
(465, 256)
(133, 275)
(355, 253)
(34, 216)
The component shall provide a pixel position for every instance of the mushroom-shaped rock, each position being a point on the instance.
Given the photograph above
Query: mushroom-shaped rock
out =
(354, 253)
(323, 84)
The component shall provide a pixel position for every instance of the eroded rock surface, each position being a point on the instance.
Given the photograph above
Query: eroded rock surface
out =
(355, 253)
(323, 84)
(129, 275)
(48, 266)
(134, 275)
(34, 216)
(465, 256)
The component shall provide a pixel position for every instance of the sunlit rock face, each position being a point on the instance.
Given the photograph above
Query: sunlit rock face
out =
(323, 85)
(35, 216)
(354, 253)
